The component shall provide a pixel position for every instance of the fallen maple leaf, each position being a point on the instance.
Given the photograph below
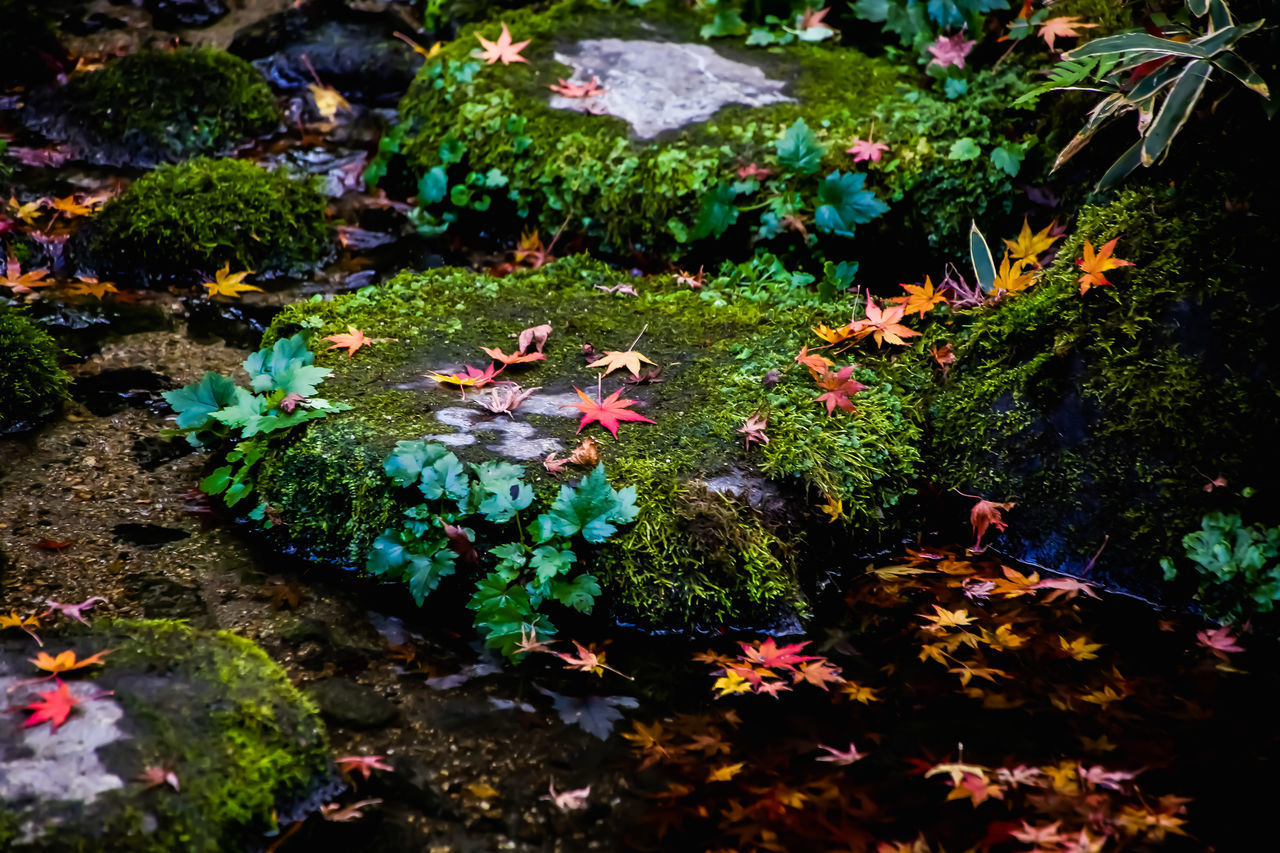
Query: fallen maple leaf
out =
(472, 378)
(86, 285)
(73, 611)
(155, 776)
(817, 364)
(587, 660)
(66, 661)
(1010, 278)
(227, 283)
(725, 772)
(922, 298)
(506, 399)
(772, 656)
(26, 212)
(613, 360)
(621, 288)
(1062, 27)
(567, 801)
(882, 324)
(837, 388)
(842, 757)
(607, 412)
(22, 623)
(1094, 265)
(22, 283)
(833, 508)
(944, 356)
(587, 454)
(501, 50)
(497, 354)
(1029, 246)
(328, 100)
(753, 172)
(818, 673)
(534, 336)
(950, 50)
(578, 90)
(530, 251)
(1066, 588)
(1219, 641)
(986, 514)
(53, 705)
(364, 764)
(1080, 648)
(864, 149)
(70, 206)
(352, 340)
(338, 812)
(753, 429)
(943, 618)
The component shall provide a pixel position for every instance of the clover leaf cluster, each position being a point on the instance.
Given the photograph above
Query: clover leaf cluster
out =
(542, 566)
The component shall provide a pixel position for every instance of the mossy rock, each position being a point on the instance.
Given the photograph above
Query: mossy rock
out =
(150, 107)
(495, 139)
(1105, 415)
(33, 382)
(182, 222)
(720, 530)
(248, 750)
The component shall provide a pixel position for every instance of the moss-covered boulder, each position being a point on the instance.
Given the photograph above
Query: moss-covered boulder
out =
(182, 222)
(720, 524)
(247, 750)
(150, 107)
(693, 139)
(1107, 415)
(33, 382)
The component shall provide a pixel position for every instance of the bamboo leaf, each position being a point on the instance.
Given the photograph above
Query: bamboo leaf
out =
(984, 267)
(1242, 71)
(1176, 110)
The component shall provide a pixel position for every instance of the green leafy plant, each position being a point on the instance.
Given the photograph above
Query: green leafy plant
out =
(916, 22)
(1237, 564)
(281, 396)
(1160, 77)
(540, 567)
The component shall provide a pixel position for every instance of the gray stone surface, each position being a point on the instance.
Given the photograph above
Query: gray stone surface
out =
(657, 86)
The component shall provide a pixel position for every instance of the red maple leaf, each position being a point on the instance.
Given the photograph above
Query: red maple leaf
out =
(837, 387)
(53, 705)
(986, 514)
(607, 412)
(497, 354)
(770, 654)
(1095, 264)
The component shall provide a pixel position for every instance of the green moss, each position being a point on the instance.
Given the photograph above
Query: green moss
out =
(153, 107)
(498, 141)
(1104, 414)
(34, 384)
(243, 741)
(693, 554)
(185, 221)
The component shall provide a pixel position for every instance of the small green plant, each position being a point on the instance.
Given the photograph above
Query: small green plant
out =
(540, 567)
(281, 395)
(1161, 77)
(1237, 564)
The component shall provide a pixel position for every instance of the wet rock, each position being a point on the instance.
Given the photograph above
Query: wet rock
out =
(1106, 415)
(212, 708)
(181, 223)
(180, 14)
(354, 52)
(163, 598)
(348, 703)
(149, 108)
(719, 523)
(33, 383)
(109, 391)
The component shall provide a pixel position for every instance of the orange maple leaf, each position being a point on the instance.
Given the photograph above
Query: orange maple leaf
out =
(472, 378)
(497, 354)
(65, 661)
(837, 387)
(352, 340)
(501, 50)
(882, 324)
(922, 297)
(1066, 27)
(1094, 265)
(987, 514)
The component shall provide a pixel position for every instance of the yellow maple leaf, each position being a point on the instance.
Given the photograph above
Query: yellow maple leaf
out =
(1029, 246)
(1011, 278)
(26, 212)
(730, 683)
(87, 285)
(942, 618)
(1080, 648)
(725, 772)
(613, 360)
(227, 283)
(328, 100)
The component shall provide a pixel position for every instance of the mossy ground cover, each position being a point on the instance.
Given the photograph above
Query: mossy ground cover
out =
(1106, 415)
(694, 553)
(183, 222)
(153, 107)
(211, 707)
(33, 382)
(485, 138)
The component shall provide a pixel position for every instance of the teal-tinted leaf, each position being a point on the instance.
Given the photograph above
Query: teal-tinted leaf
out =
(452, 149)
(1008, 160)
(580, 593)
(964, 149)
(549, 561)
(845, 203)
(799, 149)
(388, 554)
(718, 212)
(433, 186)
(196, 403)
(265, 363)
(406, 462)
(761, 36)
(984, 267)
(445, 477)
(424, 572)
(243, 412)
(501, 506)
(300, 379)
(593, 509)
(727, 22)
(955, 87)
